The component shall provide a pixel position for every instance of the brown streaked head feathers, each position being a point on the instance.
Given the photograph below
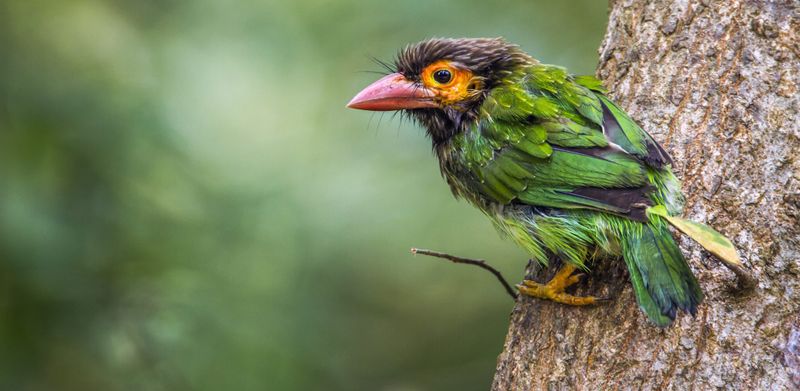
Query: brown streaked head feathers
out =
(489, 59)
(485, 57)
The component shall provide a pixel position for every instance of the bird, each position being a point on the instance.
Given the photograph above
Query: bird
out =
(554, 163)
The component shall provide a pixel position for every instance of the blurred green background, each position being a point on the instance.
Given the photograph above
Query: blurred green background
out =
(185, 203)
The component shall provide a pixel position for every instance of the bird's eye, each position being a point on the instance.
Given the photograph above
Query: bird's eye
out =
(442, 76)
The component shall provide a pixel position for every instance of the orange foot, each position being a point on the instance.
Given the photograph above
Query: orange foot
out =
(554, 290)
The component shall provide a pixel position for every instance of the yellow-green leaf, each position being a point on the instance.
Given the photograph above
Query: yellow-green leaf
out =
(704, 235)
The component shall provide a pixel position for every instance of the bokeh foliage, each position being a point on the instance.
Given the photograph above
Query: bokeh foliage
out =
(186, 204)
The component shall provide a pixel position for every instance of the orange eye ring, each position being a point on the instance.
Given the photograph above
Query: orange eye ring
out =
(450, 83)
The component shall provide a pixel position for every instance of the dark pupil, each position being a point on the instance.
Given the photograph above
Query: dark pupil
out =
(442, 76)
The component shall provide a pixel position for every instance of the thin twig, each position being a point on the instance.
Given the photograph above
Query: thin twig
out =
(477, 262)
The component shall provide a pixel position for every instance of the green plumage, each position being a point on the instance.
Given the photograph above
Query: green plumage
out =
(562, 170)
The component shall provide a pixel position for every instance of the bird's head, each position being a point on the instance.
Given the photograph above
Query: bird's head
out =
(442, 82)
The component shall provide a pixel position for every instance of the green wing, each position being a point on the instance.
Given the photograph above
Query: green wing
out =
(547, 175)
(623, 131)
(542, 142)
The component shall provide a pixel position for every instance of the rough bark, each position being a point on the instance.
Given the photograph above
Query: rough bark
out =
(716, 82)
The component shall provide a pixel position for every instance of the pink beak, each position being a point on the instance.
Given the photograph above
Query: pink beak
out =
(393, 92)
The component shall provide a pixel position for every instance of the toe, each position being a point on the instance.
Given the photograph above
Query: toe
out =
(529, 283)
(576, 300)
(573, 279)
(533, 289)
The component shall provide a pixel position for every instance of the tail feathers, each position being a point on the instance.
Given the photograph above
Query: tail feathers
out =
(661, 278)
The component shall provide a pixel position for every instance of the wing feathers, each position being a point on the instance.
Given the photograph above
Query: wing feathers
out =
(552, 140)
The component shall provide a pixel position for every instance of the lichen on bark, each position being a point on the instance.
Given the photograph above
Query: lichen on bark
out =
(717, 83)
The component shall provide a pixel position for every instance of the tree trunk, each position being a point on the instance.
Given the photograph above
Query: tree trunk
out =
(716, 82)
